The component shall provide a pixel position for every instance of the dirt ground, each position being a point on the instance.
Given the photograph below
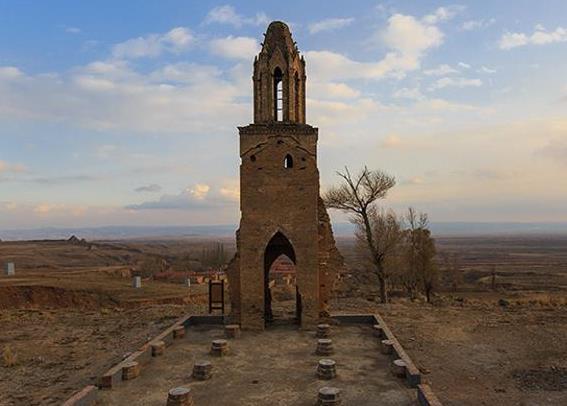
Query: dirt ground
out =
(484, 354)
(59, 351)
(70, 313)
(275, 367)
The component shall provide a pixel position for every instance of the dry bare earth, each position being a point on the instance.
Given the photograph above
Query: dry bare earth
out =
(479, 353)
(474, 350)
(82, 316)
(70, 313)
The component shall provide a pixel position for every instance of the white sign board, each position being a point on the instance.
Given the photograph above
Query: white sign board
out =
(10, 269)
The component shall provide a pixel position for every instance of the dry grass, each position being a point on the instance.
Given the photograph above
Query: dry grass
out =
(542, 300)
(9, 357)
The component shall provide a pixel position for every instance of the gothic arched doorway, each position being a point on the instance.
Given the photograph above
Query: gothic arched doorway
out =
(280, 281)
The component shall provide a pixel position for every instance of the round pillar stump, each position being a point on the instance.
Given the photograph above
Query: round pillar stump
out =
(324, 346)
(232, 331)
(323, 330)
(179, 332)
(398, 368)
(202, 370)
(130, 370)
(180, 396)
(219, 348)
(386, 347)
(158, 348)
(326, 369)
(329, 396)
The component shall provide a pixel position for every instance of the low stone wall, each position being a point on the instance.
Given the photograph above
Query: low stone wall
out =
(85, 397)
(425, 395)
(114, 376)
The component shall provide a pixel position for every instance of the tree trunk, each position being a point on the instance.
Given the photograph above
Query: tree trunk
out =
(383, 290)
(376, 257)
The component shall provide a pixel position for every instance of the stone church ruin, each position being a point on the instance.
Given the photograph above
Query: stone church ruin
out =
(284, 226)
(282, 211)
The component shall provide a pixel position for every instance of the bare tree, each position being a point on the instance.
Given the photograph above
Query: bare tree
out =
(421, 252)
(452, 275)
(357, 195)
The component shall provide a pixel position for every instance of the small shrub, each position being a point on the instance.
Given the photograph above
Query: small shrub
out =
(9, 357)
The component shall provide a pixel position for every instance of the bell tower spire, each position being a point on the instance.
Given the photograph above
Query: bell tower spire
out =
(279, 78)
(282, 213)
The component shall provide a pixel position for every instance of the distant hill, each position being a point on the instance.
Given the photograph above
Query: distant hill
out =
(340, 229)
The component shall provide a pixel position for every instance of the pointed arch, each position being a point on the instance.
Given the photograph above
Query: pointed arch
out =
(278, 245)
(278, 92)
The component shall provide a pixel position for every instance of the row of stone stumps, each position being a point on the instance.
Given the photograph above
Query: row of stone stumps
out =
(326, 368)
(202, 369)
(397, 366)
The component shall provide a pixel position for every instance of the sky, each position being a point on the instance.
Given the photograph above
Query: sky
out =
(125, 113)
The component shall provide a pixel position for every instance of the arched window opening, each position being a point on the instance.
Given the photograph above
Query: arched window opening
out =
(288, 161)
(278, 94)
(296, 91)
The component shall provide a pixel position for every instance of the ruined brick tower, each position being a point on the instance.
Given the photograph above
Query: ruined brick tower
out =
(282, 212)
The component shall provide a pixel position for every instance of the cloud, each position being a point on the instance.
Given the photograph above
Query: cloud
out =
(334, 112)
(464, 65)
(329, 24)
(72, 30)
(10, 72)
(62, 180)
(540, 36)
(227, 15)
(484, 69)
(235, 47)
(175, 41)
(153, 188)
(473, 25)
(114, 96)
(392, 141)
(199, 196)
(407, 93)
(443, 14)
(441, 70)
(414, 180)
(6, 167)
(105, 151)
(407, 39)
(408, 36)
(8, 205)
(330, 90)
(455, 82)
(555, 149)
(45, 209)
(442, 105)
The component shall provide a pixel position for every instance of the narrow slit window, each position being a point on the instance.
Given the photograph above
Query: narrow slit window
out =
(288, 161)
(296, 91)
(278, 94)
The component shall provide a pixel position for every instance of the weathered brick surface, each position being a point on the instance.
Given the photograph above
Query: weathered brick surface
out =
(282, 212)
(426, 397)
